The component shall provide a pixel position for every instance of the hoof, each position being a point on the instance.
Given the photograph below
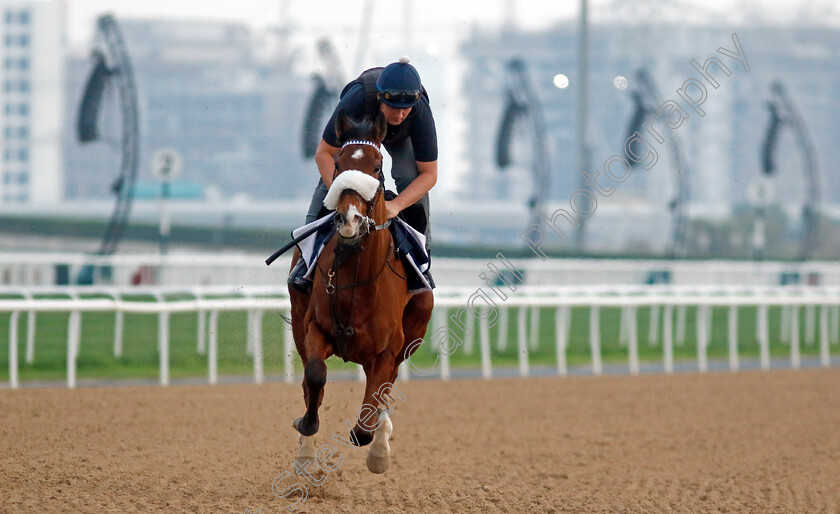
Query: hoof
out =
(304, 465)
(304, 428)
(377, 461)
(379, 455)
(305, 458)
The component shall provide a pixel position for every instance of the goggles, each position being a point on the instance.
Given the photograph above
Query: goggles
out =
(396, 96)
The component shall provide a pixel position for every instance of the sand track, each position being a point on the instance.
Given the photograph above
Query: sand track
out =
(747, 442)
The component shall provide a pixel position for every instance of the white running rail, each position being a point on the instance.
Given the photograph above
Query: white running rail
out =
(45, 269)
(453, 326)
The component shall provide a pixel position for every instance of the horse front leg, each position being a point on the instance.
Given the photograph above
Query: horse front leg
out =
(373, 423)
(314, 379)
(379, 456)
(377, 385)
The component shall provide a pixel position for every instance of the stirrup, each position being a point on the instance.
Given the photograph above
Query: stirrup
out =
(297, 277)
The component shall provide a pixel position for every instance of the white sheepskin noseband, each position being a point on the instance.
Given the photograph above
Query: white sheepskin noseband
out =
(356, 180)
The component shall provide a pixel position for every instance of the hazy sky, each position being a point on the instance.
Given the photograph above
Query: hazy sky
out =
(437, 25)
(315, 14)
(445, 15)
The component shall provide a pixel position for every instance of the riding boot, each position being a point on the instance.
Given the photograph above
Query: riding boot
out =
(297, 278)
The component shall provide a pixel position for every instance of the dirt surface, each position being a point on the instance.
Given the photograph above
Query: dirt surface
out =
(748, 442)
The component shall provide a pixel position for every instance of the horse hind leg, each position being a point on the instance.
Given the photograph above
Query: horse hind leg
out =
(379, 455)
(416, 316)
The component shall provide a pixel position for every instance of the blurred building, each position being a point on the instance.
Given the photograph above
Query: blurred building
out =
(31, 117)
(721, 149)
(235, 118)
(235, 112)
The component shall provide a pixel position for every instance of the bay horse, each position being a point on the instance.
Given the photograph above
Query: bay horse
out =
(359, 307)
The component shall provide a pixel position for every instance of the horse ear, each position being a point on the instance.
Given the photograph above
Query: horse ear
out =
(380, 128)
(342, 124)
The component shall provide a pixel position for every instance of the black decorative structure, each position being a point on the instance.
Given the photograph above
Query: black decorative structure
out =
(318, 110)
(521, 105)
(112, 68)
(784, 114)
(647, 98)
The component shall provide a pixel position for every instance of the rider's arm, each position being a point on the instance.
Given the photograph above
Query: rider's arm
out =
(325, 160)
(425, 180)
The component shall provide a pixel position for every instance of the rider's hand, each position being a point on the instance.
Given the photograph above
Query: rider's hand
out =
(391, 209)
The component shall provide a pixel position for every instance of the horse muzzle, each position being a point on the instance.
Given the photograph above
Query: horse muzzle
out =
(352, 225)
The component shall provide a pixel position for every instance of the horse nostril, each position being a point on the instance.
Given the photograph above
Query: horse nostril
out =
(353, 216)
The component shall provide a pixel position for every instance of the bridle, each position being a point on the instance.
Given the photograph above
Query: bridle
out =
(344, 332)
(368, 222)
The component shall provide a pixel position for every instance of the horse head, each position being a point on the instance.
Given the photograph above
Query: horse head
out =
(356, 191)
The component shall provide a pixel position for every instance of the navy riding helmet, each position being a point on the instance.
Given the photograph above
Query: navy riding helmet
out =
(399, 85)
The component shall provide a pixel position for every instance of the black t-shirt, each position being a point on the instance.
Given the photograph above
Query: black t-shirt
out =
(419, 125)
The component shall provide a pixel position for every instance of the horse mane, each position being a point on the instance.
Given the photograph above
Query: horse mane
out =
(357, 129)
(364, 128)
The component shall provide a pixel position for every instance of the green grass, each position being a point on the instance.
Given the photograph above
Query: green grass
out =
(140, 358)
(579, 353)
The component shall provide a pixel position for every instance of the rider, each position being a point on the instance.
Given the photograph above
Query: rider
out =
(411, 142)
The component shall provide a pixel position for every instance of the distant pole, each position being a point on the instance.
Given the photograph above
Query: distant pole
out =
(759, 229)
(509, 22)
(284, 18)
(407, 34)
(165, 225)
(583, 104)
(166, 166)
(364, 33)
(760, 195)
